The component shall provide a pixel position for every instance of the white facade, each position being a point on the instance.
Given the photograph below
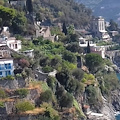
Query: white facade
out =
(14, 44)
(99, 29)
(29, 53)
(6, 67)
(84, 43)
(98, 50)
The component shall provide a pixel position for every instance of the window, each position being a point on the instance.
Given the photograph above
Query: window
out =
(0, 73)
(1, 67)
(8, 73)
(8, 66)
(15, 46)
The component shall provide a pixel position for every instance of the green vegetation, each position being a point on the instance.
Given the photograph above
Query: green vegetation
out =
(63, 11)
(50, 112)
(93, 61)
(46, 96)
(2, 94)
(2, 104)
(94, 97)
(104, 43)
(66, 100)
(70, 83)
(6, 15)
(22, 92)
(24, 106)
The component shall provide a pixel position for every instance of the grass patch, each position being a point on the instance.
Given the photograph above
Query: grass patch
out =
(39, 84)
(2, 104)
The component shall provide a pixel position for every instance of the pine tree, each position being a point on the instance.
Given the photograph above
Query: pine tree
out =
(88, 48)
(64, 29)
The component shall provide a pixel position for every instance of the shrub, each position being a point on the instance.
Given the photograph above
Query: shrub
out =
(46, 96)
(69, 56)
(10, 77)
(2, 94)
(78, 74)
(2, 104)
(22, 92)
(66, 100)
(47, 69)
(93, 61)
(24, 63)
(50, 112)
(24, 106)
(51, 82)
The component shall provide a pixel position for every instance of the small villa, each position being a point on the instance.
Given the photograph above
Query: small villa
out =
(6, 62)
(11, 42)
(6, 67)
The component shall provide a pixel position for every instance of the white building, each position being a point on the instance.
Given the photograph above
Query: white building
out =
(14, 44)
(29, 53)
(98, 50)
(98, 28)
(11, 42)
(6, 67)
(84, 43)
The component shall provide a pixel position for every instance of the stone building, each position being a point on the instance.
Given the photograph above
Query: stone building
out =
(98, 28)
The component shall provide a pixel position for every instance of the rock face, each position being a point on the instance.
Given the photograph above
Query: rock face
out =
(107, 111)
(116, 100)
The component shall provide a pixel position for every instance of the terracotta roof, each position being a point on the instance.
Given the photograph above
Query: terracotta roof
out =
(86, 106)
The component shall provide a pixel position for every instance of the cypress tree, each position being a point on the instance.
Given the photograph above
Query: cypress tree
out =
(88, 48)
(29, 6)
(64, 29)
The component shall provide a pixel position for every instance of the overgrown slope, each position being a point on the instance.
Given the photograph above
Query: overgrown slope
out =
(63, 11)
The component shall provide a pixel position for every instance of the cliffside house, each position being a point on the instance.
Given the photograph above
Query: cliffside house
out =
(44, 31)
(98, 50)
(11, 42)
(94, 49)
(98, 27)
(84, 43)
(6, 62)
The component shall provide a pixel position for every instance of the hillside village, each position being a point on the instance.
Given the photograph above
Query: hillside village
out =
(56, 71)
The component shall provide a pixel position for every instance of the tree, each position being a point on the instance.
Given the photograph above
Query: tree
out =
(78, 74)
(29, 6)
(51, 82)
(66, 100)
(74, 47)
(46, 96)
(38, 17)
(19, 23)
(88, 48)
(64, 29)
(71, 29)
(59, 92)
(93, 61)
(69, 57)
(6, 16)
(24, 63)
(63, 77)
(113, 26)
(71, 85)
